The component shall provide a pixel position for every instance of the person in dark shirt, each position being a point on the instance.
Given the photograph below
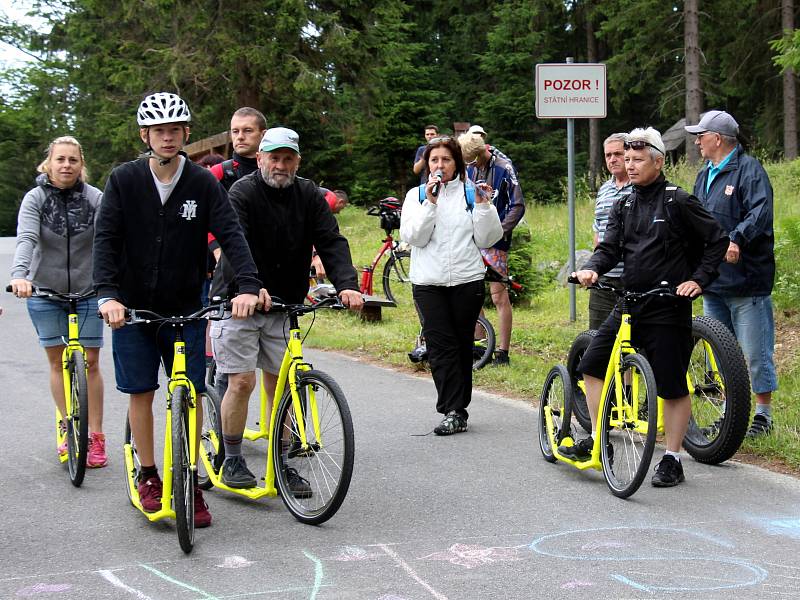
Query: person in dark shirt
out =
(150, 253)
(735, 188)
(420, 168)
(653, 251)
(283, 217)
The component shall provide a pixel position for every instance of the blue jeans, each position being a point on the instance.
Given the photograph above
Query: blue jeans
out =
(138, 350)
(750, 319)
(49, 317)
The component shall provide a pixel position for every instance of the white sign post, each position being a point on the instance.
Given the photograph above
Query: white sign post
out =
(571, 91)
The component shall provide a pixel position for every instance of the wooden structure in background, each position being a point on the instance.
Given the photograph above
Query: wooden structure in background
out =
(218, 144)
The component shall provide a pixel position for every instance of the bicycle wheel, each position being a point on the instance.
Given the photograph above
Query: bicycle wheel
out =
(137, 466)
(396, 282)
(78, 418)
(211, 445)
(182, 481)
(484, 344)
(556, 399)
(628, 427)
(327, 463)
(579, 409)
(720, 390)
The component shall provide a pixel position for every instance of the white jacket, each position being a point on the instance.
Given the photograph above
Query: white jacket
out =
(446, 237)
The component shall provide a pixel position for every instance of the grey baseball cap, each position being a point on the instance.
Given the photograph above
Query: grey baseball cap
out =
(717, 121)
(280, 137)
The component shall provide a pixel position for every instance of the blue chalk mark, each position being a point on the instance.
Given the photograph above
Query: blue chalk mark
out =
(633, 584)
(318, 574)
(166, 577)
(790, 527)
(758, 574)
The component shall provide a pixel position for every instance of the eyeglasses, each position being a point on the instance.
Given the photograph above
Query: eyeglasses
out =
(639, 145)
(701, 134)
(440, 139)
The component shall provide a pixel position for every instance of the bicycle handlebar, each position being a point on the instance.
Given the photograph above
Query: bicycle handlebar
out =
(43, 292)
(134, 316)
(664, 290)
(278, 305)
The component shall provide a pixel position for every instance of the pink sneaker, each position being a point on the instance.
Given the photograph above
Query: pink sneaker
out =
(62, 448)
(96, 456)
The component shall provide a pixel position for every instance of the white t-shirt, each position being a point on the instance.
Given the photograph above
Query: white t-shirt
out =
(165, 189)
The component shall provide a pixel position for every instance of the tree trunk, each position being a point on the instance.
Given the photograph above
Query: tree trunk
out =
(694, 90)
(595, 149)
(789, 89)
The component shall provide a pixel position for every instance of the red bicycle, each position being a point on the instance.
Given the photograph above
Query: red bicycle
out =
(395, 271)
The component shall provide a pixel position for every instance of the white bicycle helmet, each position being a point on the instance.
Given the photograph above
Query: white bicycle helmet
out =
(162, 107)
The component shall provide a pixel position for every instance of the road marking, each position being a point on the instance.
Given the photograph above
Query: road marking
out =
(117, 582)
(166, 577)
(407, 568)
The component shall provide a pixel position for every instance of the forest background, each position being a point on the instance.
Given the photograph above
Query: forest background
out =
(359, 80)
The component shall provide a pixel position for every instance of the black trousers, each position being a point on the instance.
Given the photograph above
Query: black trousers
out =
(448, 324)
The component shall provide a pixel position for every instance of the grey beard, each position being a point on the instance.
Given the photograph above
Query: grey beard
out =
(272, 183)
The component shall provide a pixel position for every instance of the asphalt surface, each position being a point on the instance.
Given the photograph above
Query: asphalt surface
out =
(475, 515)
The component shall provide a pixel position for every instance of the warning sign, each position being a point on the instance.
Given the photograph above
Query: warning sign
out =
(571, 91)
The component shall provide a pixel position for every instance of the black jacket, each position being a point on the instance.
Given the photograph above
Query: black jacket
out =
(740, 198)
(281, 226)
(653, 249)
(153, 257)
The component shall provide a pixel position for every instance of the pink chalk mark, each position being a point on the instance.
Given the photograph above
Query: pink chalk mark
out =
(471, 556)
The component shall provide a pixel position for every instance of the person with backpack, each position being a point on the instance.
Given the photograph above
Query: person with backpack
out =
(649, 231)
(447, 221)
(735, 188)
(486, 163)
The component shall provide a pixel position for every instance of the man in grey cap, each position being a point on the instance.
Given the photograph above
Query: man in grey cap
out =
(734, 187)
(283, 217)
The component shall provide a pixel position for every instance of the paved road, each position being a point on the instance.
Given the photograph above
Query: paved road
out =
(477, 515)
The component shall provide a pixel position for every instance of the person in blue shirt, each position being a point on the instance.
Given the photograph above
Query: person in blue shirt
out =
(420, 167)
(734, 187)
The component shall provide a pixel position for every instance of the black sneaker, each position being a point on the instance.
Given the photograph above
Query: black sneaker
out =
(299, 485)
(581, 450)
(500, 359)
(452, 423)
(669, 472)
(761, 425)
(235, 473)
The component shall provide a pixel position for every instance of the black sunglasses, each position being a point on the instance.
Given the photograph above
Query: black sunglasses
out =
(639, 145)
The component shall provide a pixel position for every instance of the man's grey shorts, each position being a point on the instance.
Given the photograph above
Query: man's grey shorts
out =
(242, 345)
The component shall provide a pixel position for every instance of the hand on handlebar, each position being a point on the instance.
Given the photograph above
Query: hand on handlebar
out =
(585, 277)
(113, 313)
(352, 299)
(21, 288)
(689, 288)
(244, 305)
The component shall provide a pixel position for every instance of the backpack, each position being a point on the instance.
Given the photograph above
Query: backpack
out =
(228, 172)
(469, 193)
(669, 212)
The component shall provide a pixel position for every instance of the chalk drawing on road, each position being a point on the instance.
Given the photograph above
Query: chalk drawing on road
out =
(43, 588)
(353, 553)
(789, 527)
(411, 572)
(118, 583)
(474, 555)
(631, 547)
(391, 597)
(576, 584)
(235, 562)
